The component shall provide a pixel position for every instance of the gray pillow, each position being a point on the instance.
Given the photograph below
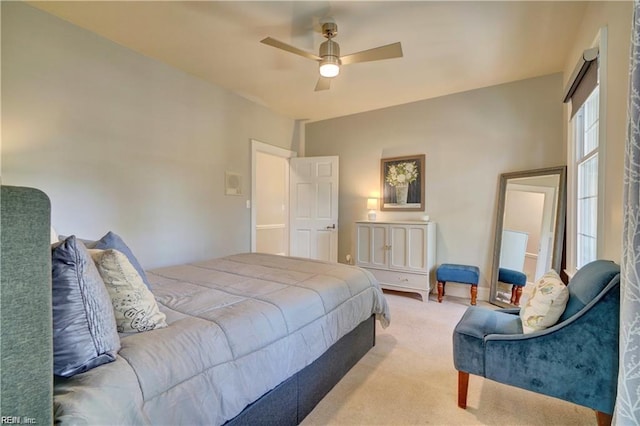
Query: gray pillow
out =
(113, 241)
(84, 326)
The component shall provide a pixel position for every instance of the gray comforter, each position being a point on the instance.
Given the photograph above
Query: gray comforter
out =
(238, 326)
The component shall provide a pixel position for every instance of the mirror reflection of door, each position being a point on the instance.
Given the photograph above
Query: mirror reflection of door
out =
(530, 210)
(529, 230)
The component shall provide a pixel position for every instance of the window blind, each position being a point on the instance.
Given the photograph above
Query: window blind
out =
(583, 80)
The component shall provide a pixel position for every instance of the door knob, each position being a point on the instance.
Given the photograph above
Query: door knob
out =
(332, 226)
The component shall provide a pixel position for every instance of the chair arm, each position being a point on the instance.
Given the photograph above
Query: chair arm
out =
(513, 311)
(528, 336)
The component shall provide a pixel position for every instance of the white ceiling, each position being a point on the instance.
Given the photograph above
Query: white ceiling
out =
(449, 46)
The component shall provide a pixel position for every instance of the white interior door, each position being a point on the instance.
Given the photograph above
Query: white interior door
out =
(314, 208)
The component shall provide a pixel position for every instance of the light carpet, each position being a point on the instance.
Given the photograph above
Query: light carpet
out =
(408, 378)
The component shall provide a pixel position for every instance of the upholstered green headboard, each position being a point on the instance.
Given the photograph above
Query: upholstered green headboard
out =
(25, 302)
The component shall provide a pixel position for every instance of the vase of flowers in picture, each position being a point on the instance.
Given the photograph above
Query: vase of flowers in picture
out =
(400, 176)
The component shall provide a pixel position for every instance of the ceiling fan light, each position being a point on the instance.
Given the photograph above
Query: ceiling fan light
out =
(329, 66)
(329, 70)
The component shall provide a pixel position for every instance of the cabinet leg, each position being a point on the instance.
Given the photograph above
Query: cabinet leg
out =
(440, 290)
(474, 293)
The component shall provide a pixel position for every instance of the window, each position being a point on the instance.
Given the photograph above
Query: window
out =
(585, 93)
(585, 130)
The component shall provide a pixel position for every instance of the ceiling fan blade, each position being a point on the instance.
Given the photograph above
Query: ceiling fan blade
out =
(393, 50)
(284, 46)
(323, 84)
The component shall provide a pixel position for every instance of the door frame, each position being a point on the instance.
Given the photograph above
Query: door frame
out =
(257, 146)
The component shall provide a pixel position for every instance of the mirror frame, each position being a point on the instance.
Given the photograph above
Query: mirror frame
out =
(558, 239)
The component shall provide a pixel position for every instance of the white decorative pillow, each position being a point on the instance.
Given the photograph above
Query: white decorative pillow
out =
(54, 236)
(134, 306)
(527, 292)
(548, 299)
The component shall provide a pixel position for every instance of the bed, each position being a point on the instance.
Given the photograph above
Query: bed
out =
(250, 338)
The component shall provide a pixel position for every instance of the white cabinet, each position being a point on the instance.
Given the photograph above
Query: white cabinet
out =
(401, 255)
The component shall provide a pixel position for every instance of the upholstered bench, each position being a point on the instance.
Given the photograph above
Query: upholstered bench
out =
(517, 280)
(460, 274)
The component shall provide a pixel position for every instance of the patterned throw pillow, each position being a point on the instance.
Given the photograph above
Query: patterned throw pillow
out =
(548, 299)
(113, 241)
(134, 306)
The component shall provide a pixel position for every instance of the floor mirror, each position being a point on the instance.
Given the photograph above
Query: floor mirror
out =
(529, 231)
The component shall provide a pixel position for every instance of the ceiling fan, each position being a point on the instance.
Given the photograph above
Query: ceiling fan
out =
(329, 57)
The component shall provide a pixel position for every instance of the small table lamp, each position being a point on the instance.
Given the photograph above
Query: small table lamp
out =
(372, 205)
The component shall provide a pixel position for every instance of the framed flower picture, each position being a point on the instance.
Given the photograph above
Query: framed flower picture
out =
(402, 183)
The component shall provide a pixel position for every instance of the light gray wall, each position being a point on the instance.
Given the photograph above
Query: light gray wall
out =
(469, 139)
(122, 142)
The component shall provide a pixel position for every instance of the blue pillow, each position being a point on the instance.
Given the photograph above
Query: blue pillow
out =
(84, 326)
(113, 241)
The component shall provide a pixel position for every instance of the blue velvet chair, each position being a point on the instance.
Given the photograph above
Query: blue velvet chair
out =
(575, 360)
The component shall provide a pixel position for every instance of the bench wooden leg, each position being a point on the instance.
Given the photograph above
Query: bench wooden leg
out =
(463, 387)
(516, 293)
(603, 419)
(440, 290)
(474, 293)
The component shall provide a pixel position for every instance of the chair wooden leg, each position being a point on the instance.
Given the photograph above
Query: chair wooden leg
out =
(440, 290)
(474, 293)
(603, 419)
(513, 294)
(463, 387)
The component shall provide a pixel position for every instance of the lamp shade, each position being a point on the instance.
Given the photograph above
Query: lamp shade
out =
(372, 203)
